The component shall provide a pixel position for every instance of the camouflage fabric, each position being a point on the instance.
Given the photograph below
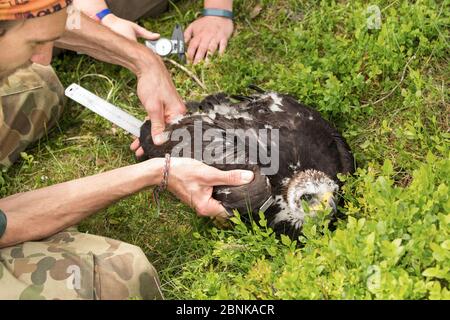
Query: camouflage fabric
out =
(74, 265)
(31, 100)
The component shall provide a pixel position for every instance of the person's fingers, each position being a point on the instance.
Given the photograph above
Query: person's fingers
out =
(223, 45)
(201, 52)
(188, 33)
(135, 145)
(144, 33)
(136, 148)
(175, 110)
(229, 178)
(139, 152)
(192, 49)
(212, 48)
(156, 114)
(211, 208)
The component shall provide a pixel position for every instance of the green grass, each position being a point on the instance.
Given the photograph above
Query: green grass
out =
(387, 92)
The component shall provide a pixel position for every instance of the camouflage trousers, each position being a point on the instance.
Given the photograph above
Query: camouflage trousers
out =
(68, 265)
(74, 265)
(31, 101)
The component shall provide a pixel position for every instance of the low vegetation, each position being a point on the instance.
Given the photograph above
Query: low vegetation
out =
(385, 87)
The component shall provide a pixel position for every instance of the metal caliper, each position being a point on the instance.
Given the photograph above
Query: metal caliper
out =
(175, 45)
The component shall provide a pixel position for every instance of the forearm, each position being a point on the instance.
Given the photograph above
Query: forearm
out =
(90, 7)
(103, 44)
(219, 4)
(38, 214)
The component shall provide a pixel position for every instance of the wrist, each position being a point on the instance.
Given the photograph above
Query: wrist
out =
(102, 14)
(153, 171)
(218, 13)
(108, 20)
(141, 60)
(89, 7)
(145, 61)
(219, 8)
(219, 4)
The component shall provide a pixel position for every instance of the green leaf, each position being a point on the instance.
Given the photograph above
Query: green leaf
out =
(436, 273)
(387, 168)
(285, 240)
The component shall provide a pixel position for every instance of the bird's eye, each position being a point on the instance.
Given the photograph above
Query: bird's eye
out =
(307, 197)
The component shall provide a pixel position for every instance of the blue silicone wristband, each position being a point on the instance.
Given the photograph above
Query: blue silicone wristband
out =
(103, 14)
(218, 13)
(3, 223)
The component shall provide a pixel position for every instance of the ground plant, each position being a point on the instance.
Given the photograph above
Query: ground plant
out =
(378, 70)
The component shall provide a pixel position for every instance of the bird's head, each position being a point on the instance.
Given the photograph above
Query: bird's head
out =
(309, 192)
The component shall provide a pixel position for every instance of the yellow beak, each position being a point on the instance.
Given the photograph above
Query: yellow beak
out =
(326, 201)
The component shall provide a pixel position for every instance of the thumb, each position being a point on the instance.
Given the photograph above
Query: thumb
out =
(232, 178)
(144, 33)
(156, 114)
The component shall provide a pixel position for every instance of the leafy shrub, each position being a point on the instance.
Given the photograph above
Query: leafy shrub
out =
(394, 244)
(387, 92)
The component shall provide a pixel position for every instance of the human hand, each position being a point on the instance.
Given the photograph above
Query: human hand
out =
(192, 182)
(207, 34)
(127, 28)
(136, 148)
(157, 93)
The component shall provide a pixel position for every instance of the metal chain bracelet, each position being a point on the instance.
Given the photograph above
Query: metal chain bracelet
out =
(164, 183)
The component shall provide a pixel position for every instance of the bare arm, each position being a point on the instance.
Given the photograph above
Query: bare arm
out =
(155, 87)
(38, 214)
(103, 44)
(219, 4)
(41, 213)
(124, 27)
(90, 7)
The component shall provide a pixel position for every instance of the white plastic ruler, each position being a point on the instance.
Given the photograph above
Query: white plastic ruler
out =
(105, 109)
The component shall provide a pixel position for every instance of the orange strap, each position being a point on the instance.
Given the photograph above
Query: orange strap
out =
(26, 9)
